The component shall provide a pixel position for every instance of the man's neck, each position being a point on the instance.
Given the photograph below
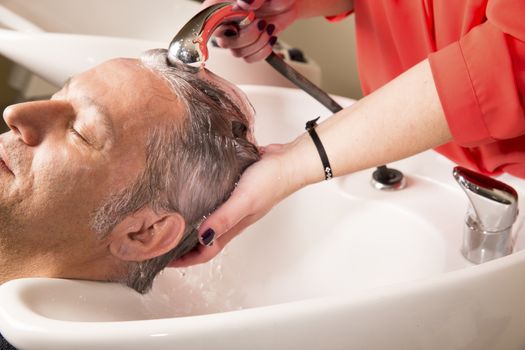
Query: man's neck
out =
(18, 264)
(15, 265)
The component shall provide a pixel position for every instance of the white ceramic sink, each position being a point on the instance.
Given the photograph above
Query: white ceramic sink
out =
(336, 266)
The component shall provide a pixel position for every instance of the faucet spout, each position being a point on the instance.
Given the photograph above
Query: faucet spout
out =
(189, 46)
(492, 212)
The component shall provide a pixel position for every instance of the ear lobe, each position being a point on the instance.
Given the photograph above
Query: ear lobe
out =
(145, 235)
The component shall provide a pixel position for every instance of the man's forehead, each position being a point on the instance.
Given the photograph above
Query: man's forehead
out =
(116, 69)
(126, 82)
(129, 98)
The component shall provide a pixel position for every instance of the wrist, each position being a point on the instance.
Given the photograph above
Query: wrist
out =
(304, 163)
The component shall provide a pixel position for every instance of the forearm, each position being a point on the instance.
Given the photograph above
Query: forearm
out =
(400, 119)
(315, 8)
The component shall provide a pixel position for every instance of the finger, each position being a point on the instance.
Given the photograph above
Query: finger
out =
(263, 52)
(245, 37)
(226, 217)
(276, 24)
(225, 34)
(274, 27)
(265, 39)
(225, 238)
(202, 254)
(250, 4)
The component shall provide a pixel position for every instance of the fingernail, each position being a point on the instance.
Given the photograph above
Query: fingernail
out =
(207, 237)
(261, 25)
(270, 29)
(272, 40)
(229, 33)
(249, 2)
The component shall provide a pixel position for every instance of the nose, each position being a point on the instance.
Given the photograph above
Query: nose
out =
(33, 121)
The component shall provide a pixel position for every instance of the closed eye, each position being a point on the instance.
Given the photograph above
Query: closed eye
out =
(77, 134)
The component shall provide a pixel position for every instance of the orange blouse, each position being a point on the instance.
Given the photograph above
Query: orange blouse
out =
(476, 50)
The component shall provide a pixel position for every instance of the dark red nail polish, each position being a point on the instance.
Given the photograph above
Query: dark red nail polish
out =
(249, 2)
(270, 29)
(229, 33)
(207, 237)
(261, 25)
(272, 40)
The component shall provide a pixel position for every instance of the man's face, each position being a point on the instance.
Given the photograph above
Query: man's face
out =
(63, 157)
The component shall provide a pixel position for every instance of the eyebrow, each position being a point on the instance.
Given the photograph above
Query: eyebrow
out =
(105, 121)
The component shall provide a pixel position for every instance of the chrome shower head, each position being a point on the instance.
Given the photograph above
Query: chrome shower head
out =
(189, 46)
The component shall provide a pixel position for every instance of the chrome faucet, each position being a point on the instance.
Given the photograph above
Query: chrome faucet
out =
(189, 46)
(493, 209)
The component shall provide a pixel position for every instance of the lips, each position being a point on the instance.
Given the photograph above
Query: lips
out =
(4, 166)
(3, 161)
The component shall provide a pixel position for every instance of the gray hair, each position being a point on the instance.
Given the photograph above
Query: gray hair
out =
(191, 168)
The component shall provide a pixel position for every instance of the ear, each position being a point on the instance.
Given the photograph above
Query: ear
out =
(145, 235)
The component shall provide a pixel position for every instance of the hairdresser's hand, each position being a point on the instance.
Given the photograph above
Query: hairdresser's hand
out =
(262, 186)
(254, 42)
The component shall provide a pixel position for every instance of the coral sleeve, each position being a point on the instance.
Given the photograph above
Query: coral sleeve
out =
(480, 79)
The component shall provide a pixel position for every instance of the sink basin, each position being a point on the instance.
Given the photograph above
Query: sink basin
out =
(338, 265)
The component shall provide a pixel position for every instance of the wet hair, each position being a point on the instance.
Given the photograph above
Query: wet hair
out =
(191, 168)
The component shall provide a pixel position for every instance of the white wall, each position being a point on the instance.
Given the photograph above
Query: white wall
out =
(332, 46)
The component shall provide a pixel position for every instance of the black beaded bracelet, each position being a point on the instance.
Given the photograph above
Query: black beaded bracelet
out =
(310, 126)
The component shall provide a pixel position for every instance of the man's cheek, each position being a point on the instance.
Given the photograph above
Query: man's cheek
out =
(60, 170)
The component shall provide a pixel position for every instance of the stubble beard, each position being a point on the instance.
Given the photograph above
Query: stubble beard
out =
(8, 227)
